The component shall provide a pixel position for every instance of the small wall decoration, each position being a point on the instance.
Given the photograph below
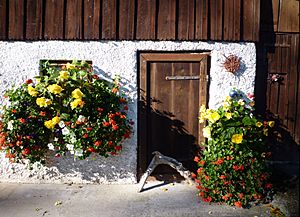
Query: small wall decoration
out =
(232, 63)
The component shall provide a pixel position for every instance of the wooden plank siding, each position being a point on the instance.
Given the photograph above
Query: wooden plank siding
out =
(220, 20)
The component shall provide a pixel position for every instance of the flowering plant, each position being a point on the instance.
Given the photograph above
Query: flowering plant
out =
(66, 109)
(232, 166)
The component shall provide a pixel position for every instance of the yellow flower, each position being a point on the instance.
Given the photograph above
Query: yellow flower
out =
(258, 124)
(70, 66)
(63, 75)
(207, 132)
(32, 91)
(271, 123)
(226, 106)
(55, 120)
(54, 88)
(213, 117)
(265, 131)
(252, 103)
(38, 80)
(76, 103)
(43, 102)
(237, 138)
(49, 124)
(228, 98)
(228, 115)
(202, 109)
(77, 94)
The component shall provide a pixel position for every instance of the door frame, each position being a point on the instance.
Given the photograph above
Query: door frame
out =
(143, 99)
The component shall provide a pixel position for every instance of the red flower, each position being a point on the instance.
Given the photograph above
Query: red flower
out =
(118, 148)
(26, 151)
(100, 109)
(57, 155)
(78, 122)
(89, 128)
(115, 127)
(197, 181)
(202, 162)
(225, 197)
(127, 135)
(110, 143)
(199, 170)
(106, 124)
(194, 175)
(112, 115)
(98, 143)
(196, 159)
(201, 194)
(22, 120)
(241, 195)
(114, 90)
(96, 77)
(269, 185)
(91, 149)
(209, 199)
(42, 113)
(227, 183)
(219, 161)
(238, 204)
(222, 177)
(14, 111)
(29, 81)
(242, 168)
(199, 187)
(123, 100)
(125, 107)
(123, 116)
(113, 153)
(85, 136)
(206, 178)
(228, 158)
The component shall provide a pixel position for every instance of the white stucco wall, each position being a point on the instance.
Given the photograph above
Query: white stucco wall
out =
(20, 61)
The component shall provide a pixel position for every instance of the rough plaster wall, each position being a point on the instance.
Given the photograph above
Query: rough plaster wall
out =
(19, 61)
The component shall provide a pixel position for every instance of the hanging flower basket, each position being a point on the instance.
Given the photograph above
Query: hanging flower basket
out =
(67, 109)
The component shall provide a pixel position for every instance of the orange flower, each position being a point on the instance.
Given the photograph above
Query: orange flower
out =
(68, 123)
(202, 162)
(115, 127)
(114, 90)
(98, 143)
(238, 204)
(14, 111)
(196, 159)
(194, 175)
(222, 177)
(22, 120)
(85, 136)
(241, 195)
(219, 161)
(89, 128)
(106, 124)
(224, 197)
(91, 149)
(78, 122)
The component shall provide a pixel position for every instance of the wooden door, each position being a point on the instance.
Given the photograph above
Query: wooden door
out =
(172, 89)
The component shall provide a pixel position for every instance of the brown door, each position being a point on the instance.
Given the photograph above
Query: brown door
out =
(172, 89)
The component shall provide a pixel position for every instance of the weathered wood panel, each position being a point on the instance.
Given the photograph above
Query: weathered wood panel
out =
(3, 20)
(282, 102)
(216, 14)
(146, 17)
(34, 19)
(16, 19)
(54, 19)
(251, 20)
(73, 22)
(232, 13)
(186, 20)
(126, 19)
(234, 20)
(91, 19)
(201, 19)
(109, 19)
